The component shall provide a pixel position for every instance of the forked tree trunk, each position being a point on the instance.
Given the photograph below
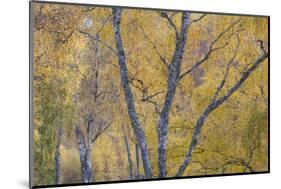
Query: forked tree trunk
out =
(57, 158)
(173, 78)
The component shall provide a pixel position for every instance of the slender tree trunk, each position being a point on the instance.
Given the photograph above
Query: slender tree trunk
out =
(129, 157)
(137, 161)
(173, 78)
(59, 138)
(139, 133)
(215, 103)
(86, 167)
(89, 146)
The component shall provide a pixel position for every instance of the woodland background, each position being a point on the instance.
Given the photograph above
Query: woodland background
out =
(79, 95)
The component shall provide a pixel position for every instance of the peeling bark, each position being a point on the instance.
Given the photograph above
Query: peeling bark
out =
(139, 133)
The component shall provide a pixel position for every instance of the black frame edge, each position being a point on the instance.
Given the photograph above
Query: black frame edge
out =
(31, 51)
(153, 179)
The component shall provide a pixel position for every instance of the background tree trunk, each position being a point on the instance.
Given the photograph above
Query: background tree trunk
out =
(89, 145)
(58, 171)
(131, 171)
(86, 167)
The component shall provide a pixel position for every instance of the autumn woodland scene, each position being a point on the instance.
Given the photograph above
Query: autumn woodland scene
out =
(134, 94)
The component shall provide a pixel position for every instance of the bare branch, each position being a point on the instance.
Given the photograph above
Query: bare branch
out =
(171, 22)
(198, 19)
(261, 45)
(211, 107)
(144, 90)
(100, 130)
(149, 100)
(98, 40)
(230, 160)
(153, 95)
(211, 49)
(241, 80)
(220, 86)
(65, 40)
(104, 23)
(162, 58)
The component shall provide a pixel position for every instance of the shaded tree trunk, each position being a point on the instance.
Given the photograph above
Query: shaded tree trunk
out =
(130, 161)
(139, 133)
(137, 161)
(57, 158)
(173, 78)
(86, 168)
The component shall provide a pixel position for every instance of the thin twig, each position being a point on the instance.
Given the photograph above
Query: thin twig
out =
(198, 19)
(211, 50)
(162, 58)
(98, 40)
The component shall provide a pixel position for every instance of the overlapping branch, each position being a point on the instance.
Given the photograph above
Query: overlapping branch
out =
(215, 103)
(162, 58)
(102, 126)
(211, 50)
(171, 22)
(98, 40)
(144, 91)
(229, 160)
(197, 19)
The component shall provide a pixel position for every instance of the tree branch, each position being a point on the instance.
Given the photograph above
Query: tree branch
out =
(211, 50)
(145, 96)
(220, 86)
(211, 107)
(104, 23)
(198, 19)
(100, 130)
(98, 40)
(171, 22)
(153, 95)
(162, 58)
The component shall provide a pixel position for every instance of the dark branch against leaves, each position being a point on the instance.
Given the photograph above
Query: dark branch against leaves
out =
(171, 22)
(211, 49)
(215, 103)
(197, 19)
(162, 58)
(98, 40)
